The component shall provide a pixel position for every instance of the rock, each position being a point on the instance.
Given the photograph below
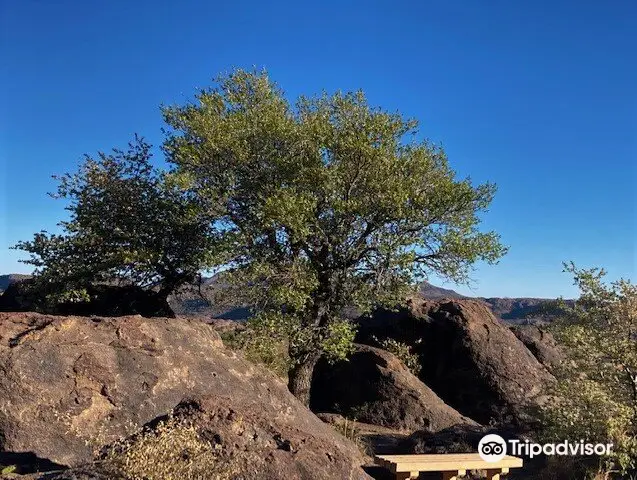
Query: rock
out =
(224, 326)
(373, 386)
(469, 358)
(541, 343)
(73, 383)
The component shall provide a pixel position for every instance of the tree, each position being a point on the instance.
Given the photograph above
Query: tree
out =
(328, 203)
(129, 222)
(595, 397)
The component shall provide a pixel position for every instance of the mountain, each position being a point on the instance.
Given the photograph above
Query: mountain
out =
(511, 310)
(431, 292)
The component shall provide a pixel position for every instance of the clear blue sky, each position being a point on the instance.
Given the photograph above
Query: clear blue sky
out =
(538, 96)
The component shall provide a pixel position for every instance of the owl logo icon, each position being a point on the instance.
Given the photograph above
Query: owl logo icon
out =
(492, 448)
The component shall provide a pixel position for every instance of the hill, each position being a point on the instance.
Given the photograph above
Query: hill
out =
(511, 310)
(431, 292)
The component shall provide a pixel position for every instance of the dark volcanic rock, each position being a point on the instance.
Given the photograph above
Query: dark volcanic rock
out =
(373, 386)
(469, 358)
(541, 343)
(72, 383)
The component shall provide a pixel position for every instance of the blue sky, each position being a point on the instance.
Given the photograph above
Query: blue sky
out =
(539, 97)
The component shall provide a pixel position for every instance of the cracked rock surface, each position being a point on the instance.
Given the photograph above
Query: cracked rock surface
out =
(69, 385)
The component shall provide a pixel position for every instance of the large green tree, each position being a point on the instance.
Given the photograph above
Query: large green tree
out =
(128, 222)
(328, 203)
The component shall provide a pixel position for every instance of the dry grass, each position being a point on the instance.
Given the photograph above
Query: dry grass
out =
(350, 430)
(173, 450)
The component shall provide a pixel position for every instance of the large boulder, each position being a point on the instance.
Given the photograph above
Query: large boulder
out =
(373, 386)
(469, 358)
(73, 384)
(541, 344)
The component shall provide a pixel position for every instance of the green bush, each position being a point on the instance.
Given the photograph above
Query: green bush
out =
(259, 345)
(595, 396)
(403, 352)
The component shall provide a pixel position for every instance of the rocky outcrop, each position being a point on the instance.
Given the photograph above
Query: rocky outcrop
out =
(373, 386)
(469, 358)
(73, 383)
(540, 343)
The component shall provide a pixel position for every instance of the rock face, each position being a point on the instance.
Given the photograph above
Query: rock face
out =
(469, 358)
(541, 344)
(71, 380)
(373, 386)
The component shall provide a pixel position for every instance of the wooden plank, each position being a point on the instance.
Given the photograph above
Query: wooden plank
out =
(444, 462)
(429, 456)
(443, 466)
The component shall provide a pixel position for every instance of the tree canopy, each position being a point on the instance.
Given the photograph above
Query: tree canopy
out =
(325, 203)
(128, 221)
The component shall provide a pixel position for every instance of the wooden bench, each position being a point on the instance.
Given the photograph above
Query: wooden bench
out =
(451, 466)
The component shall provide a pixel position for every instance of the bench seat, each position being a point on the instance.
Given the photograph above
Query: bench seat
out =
(451, 466)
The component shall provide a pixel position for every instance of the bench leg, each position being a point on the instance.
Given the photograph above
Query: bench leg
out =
(453, 475)
(495, 474)
(406, 475)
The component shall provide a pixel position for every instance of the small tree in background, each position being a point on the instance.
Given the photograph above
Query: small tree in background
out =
(328, 203)
(595, 398)
(129, 222)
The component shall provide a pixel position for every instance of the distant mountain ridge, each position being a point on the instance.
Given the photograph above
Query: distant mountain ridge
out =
(189, 301)
(512, 310)
(432, 292)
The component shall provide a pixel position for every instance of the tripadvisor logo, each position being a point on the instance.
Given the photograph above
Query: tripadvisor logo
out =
(493, 448)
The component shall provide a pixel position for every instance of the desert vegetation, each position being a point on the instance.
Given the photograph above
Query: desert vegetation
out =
(129, 223)
(312, 209)
(595, 398)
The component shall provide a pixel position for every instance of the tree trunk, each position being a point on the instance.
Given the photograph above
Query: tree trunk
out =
(300, 381)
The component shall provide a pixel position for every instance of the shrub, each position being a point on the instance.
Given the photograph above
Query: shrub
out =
(403, 352)
(352, 432)
(259, 345)
(595, 397)
(174, 450)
